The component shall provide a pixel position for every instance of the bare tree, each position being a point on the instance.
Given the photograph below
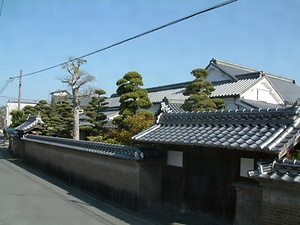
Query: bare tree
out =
(76, 79)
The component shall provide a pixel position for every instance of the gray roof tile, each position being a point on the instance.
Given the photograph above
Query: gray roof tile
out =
(271, 130)
(284, 169)
(233, 88)
(29, 124)
(286, 87)
(113, 150)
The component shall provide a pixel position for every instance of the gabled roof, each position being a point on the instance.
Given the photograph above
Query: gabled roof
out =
(284, 169)
(285, 87)
(288, 90)
(237, 71)
(31, 123)
(267, 130)
(231, 69)
(60, 91)
(240, 78)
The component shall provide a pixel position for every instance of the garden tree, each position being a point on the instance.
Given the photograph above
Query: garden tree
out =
(135, 123)
(17, 117)
(133, 99)
(20, 116)
(199, 91)
(57, 118)
(76, 80)
(94, 111)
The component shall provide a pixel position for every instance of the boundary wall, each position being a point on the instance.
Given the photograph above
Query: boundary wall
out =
(267, 203)
(124, 175)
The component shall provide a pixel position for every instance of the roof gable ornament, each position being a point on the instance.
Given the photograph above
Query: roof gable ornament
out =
(284, 170)
(297, 103)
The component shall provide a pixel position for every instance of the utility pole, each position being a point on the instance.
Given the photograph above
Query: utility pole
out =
(20, 89)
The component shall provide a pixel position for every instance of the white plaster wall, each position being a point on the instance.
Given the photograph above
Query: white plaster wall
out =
(216, 75)
(262, 91)
(10, 106)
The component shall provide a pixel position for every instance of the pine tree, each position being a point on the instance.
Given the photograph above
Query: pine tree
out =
(58, 120)
(199, 91)
(17, 117)
(133, 104)
(94, 111)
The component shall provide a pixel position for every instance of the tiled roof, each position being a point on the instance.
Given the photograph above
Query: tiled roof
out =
(85, 123)
(232, 69)
(260, 104)
(158, 96)
(239, 71)
(119, 151)
(269, 130)
(289, 91)
(242, 78)
(113, 101)
(286, 87)
(233, 88)
(60, 91)
(284, 169)
(171, 105)
(221, 90)
(29, 124)
(109, 124)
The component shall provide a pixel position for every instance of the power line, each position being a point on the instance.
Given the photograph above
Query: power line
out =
(6, 84)
(121, 42)
(134, 37)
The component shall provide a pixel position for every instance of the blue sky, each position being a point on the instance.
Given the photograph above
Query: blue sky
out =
(37, 34)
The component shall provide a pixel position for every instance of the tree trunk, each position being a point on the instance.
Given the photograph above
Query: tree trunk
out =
(76, 108)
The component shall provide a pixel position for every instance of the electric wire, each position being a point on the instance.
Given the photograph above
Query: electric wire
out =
(121, 42)
(6, 84)
(132, 38)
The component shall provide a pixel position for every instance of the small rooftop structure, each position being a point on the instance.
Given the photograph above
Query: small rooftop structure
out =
(285, 170)
(31, 123)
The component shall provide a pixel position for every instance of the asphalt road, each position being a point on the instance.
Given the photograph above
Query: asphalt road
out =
(29, 197)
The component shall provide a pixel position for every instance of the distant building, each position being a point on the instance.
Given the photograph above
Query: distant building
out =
(57, 97)
(239, 86)
(13, 105)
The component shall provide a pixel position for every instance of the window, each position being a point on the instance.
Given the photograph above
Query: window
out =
(175, 158)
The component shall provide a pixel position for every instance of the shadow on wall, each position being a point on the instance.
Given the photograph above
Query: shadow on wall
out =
(121, 197)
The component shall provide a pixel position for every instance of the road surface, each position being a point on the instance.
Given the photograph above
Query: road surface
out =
(29, 197)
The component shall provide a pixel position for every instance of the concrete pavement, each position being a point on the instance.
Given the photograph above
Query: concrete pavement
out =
(29, 197)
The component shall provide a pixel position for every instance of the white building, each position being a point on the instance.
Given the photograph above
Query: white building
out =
(60, 96)
(239, 86)
(13, 105)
